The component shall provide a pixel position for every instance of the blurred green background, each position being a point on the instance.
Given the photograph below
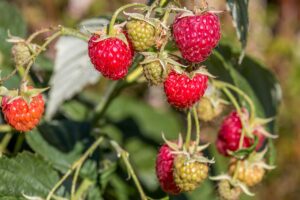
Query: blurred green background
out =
(274, 38)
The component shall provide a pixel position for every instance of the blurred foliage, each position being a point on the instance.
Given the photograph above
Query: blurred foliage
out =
(134, 123)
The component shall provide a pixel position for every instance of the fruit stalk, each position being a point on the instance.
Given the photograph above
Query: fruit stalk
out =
(125, 157)
(75, 165)
(189, 129)
(4, 142)
(198, 136)
(115, 88)
(115, 15)
(221, 84)
(153, 5)
(60, 30)
(238, 108)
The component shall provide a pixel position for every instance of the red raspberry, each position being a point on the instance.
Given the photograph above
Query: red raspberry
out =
(21, 115)
(111, 56)
(196, 36)
(230, 134)
(183, 91)
(164, 170)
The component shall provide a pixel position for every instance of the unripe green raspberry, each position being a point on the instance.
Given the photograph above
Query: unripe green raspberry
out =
(21, 53)
(141, 34)
(227, 192)
(154, 73)
(207, 111)
(189, 175)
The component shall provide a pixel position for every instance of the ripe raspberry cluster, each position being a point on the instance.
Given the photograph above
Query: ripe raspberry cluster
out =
(183, 167)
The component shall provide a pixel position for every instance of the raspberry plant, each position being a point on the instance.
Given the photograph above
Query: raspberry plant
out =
(164, 45)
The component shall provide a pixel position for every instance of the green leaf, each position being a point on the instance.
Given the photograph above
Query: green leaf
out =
(240, 19)
(140, 152)
(75, 110)
(28, 174)
(47, 141)
(265, 85)
(136, 118)
(12, 20)
(107, 169)
(225, 71)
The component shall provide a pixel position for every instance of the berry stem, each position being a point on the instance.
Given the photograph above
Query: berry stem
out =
(74, 181)
(189, 129)
(19, 143)
(238, 108)
(4, 142)
(59, 31)
(233, 100)
(244, 95)
(34, 35)
(197, 127)
(113, 90)
(162, 3)
(5, 128)
(84, 186)
(117, 12)
(166, 16)
(106, 100)
(8, 76)
(153, 5)
(75, 165)
(125, 157)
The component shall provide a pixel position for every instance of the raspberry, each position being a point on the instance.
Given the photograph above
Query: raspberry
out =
(189, 175)
(230, 134)
(154, 73)
(227, 192)
(207, 111)
(164, 170)
(141, 34)
(183, 91)
(250, 174)
(196, 36)
(111, 56)
(21, 53)
(21, 115)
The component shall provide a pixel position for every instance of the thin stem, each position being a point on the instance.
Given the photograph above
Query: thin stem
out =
(74, 33)
(153, 5)
(114, 88)
(76, 164)
(134, 75)
(19, 143)
(238, 108)
(5, 128)
(117, 12)
(189, 129)
(106, 100)
(42, 48)
(198, 136)
(4, 142)
(60, 30)
(84, 186)
(166, 16)
(125, 157)
(38, 33)
(8, 76)
(233, 100)
(74, 181)
(244, 95)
